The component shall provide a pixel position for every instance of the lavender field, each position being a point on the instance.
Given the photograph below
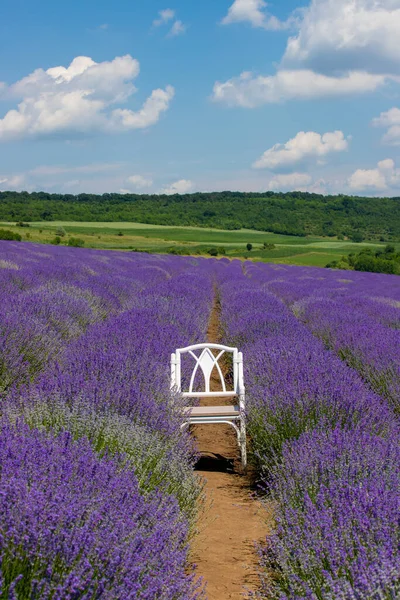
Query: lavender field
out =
(98, 493)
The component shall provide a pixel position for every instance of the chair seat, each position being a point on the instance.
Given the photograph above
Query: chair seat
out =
(212, 411)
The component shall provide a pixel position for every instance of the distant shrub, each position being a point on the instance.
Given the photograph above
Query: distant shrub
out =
(6, 234)
(120, 234)
(357, 237)
(232, 225)
(76, 242)
(56, 241)
(332, 265)
(176, 251)
(267, 246)
(212, 251)
(390, 249)
(22, 224)
(221, 250)
(28, 235)
(249, 247)
(60, 232)
(343, 264)
(365, 262)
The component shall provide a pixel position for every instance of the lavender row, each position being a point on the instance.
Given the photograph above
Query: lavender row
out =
(298, 283)
(293, 383)
(364, 295)
(100, 395)
(326, 447)
(337, 535)
(356, 321)
(364, 344)
(112, 385)
(48, 299)
(73, 526)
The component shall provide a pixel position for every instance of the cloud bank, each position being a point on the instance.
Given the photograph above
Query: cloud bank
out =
(80, 98)
(341, 47)
(250, 91)
(383, 177)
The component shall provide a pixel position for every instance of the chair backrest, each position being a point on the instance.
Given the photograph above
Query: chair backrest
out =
(207, 362)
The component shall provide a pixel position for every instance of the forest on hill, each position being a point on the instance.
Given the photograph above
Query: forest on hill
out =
(294, 213)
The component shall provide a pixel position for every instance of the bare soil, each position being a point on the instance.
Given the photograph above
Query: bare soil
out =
(234, 520)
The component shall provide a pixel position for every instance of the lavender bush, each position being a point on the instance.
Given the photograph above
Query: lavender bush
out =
(50, 300)
(338, 533)
(160, 462)
(365, 344)
(358, 318)
(75, 526)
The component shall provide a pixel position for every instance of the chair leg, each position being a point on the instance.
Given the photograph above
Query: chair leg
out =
(243, 444)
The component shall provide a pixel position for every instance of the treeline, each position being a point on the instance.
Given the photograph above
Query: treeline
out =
(294, 213)
(380, 261)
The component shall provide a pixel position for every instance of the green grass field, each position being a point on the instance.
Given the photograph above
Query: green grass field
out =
(310, 251)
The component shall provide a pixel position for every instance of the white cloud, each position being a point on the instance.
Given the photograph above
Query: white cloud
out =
(363, 179)
(384, 176)
(80, 99)
(167, 15)
(342, 35)
(391, 120)
(306, 144)
(290, 181)
(183, 186)
(254, 12)
(386, 165)
(149, 114)
(164, 16)
(177, 29)
(139, 182)
(250, 91)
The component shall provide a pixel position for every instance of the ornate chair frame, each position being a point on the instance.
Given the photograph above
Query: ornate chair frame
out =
(207, 362)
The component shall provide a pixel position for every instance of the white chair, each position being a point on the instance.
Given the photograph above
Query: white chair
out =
(207, 362)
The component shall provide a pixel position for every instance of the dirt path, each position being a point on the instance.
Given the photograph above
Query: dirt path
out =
(224, 550)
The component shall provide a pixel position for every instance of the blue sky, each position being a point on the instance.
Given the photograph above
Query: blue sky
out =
(152, 96)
